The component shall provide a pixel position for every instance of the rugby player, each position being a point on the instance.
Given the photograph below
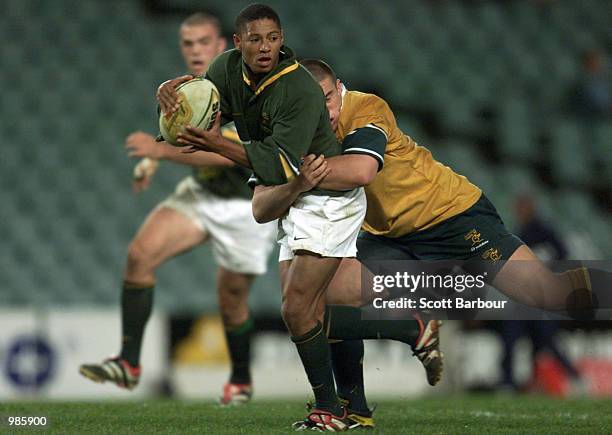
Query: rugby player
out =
(280, 115)
(211, 204)
(419, 209)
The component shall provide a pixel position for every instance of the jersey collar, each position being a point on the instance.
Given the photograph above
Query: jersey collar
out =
(286, 65)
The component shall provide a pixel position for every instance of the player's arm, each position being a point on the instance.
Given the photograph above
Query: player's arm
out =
(276, 158)
(362, 158)
(212, 142)
(349, 171)
(272, 202)
(144, 145)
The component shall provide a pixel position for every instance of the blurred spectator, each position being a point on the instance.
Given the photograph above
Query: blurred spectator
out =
(543, 239)
(592, 95)
(538, 234)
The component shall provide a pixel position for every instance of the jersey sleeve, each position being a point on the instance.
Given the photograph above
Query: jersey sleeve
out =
(370, 132)
(229, 132)
(275, 160)
(217, 74)
(369, 140)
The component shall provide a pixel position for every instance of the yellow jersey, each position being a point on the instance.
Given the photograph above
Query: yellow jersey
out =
(412, 191)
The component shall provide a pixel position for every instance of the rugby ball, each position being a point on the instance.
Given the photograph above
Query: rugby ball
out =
(199, 104)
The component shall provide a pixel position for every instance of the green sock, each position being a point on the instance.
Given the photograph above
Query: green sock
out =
(313, 349)
(136, 304)
(239, 346)
(347, 362)
(345, 323)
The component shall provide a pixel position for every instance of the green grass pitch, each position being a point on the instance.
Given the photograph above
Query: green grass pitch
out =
(483, 414)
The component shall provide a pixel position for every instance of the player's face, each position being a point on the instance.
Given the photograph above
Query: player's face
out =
(333, 99)
(260, 45)
(200, 43)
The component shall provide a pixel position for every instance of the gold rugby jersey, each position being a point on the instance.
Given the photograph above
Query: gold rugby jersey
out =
(412, 191)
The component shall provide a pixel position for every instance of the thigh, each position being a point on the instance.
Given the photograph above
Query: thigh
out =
(527, 280)
(166, 233)
(232, 282)
(283, 271)
(345, 286)
(309, 275)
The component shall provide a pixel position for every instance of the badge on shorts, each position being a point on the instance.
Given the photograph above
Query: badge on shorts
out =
(492, 254)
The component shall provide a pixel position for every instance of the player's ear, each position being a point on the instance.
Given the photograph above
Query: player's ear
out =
(339, 86)
(282, 37)
(237, 41)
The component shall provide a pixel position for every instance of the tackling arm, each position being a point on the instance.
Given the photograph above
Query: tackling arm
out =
(272, 202)
(363, 156)
(349, 171)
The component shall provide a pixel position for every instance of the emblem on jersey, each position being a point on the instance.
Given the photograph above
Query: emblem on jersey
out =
(492, 254)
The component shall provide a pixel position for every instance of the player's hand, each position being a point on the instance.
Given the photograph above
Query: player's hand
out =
(141, 144)
(166, 94)
(200, 139)
(143, 173)
(312, 171)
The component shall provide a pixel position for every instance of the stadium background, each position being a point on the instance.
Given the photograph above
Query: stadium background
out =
(487, 86)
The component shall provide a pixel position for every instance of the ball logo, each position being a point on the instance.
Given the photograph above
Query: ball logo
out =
(213, 115)
(180, 117)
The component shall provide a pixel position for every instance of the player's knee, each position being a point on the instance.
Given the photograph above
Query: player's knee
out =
(232, 302)
(290, 311)
(138, 258)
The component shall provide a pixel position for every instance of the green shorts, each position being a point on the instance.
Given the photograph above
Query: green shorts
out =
(477, 237)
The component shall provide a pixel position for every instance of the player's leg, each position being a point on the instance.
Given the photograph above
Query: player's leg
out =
(527, 280)
(164, 234)
(348, 322)
(480, 235)
(303, 306)
(233, 294)
(347, 355)
(241, 248)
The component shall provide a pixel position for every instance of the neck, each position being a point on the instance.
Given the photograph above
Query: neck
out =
(256, 78)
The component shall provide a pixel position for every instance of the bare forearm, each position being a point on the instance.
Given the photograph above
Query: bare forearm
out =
(349, 171)
(200, 158)
(232, 150)
(272, 202)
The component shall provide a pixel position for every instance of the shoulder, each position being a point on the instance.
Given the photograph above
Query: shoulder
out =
(301, 80)
(227, 57)
(224, 62)
(363, 104)
(299, 88)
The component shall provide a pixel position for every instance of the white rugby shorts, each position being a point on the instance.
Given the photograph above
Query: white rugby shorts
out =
(239, 243)
(325, 225)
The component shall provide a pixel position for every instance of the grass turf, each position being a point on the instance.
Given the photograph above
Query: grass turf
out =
(432, 415)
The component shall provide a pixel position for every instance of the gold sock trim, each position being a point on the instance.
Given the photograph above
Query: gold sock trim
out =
(313, 337)
(587, 278)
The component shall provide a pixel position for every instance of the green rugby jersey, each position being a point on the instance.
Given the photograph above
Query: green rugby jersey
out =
(284, 119)
(223, 181)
